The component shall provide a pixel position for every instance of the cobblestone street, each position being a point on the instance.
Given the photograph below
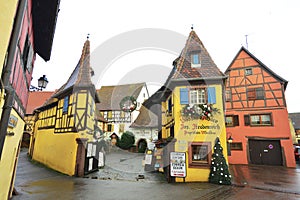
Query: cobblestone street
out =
(118, 180)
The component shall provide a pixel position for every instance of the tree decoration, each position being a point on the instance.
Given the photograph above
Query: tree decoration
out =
(219, 172)
(199, 111)
(128, 104)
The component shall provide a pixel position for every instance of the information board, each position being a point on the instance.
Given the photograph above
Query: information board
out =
(177, 164)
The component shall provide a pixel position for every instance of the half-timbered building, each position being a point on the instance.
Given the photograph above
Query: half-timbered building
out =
(192, 114)
(256, 114)
(120, 105)
(67, 123)
(27, 29)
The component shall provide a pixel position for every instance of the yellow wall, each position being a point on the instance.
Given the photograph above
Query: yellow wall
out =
(9, 154)
(190, 131)
(7, 14)
(57, 151)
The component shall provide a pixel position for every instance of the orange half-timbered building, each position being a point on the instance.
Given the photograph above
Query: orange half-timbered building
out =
(256, 114)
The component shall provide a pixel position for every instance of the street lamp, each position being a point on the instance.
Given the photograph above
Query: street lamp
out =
(229, 141)
(42, 84)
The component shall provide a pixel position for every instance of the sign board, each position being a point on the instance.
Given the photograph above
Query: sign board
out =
(177, 164)
(148, 159)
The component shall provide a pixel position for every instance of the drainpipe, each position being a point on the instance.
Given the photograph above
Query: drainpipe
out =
(9, 91)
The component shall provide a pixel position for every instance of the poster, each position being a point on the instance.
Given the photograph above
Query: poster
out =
(177, 164)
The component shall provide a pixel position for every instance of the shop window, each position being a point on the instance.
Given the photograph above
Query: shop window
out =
(255, 93)
(231, 120)
(236, 146)
(199, 154)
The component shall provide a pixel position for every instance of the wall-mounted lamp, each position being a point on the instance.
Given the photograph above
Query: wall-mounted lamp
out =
(42, 84)
(230, 139)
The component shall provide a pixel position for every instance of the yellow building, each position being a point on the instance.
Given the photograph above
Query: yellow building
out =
(192, 114)
(27, 29)
(66, 123)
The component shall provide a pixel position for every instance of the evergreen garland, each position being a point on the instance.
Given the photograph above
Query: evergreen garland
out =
(219, 172)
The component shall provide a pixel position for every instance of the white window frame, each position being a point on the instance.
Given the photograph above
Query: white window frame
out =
(197, 96)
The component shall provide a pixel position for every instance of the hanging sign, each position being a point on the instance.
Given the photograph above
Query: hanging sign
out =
(177, 164)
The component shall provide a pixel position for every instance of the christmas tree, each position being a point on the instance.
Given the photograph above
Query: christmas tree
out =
(219, 172)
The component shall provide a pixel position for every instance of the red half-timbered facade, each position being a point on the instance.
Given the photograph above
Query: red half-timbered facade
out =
(256, 118)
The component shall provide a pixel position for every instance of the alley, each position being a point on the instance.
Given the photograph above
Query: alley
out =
(34, 181)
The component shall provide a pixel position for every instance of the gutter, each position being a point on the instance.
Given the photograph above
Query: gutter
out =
(9, 91)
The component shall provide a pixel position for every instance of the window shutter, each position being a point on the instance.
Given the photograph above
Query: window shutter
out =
(247, 120)
(184, 96)
(211, 95)
(236, 120)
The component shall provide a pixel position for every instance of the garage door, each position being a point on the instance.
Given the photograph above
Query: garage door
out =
(265, 152)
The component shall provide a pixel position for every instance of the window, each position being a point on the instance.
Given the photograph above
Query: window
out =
(248, 71)
(232, 120)
(170, 105)
(110, 128)
(236, 146)
(195, 59)
(228, 95)
(121, 128)
(258, 120)
(66, 104)
(197, 96)
(255, 93)
(27, 55)
(199, 154)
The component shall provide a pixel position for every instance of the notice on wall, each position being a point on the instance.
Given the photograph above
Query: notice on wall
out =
(148, 159)
(177, 164)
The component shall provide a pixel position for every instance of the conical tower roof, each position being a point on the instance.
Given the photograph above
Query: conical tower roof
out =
(81, 76)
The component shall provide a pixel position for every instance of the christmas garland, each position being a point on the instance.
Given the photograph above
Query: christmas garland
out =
(199, 111)
(128, 104)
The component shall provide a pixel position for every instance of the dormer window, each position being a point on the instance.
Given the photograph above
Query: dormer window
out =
(195, 60)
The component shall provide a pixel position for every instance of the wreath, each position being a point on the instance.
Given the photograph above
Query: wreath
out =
(128, 104)
(199, 111)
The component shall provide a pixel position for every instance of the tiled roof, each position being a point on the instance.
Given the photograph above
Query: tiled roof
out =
(295, 117)
(81, 76)
(145, 119)
(36, 99)
(184, 69)
(111, 96)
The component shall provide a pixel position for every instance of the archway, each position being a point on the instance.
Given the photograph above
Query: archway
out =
(142, 145)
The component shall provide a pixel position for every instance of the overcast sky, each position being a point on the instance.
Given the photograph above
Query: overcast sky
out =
(271, 26)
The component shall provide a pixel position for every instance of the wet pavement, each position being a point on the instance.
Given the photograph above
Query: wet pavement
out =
(118, 180)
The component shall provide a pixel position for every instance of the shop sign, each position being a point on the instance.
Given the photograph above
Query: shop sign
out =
(13, 121)
(177, 164)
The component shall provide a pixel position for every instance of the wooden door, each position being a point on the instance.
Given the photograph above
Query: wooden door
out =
(265, 152)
